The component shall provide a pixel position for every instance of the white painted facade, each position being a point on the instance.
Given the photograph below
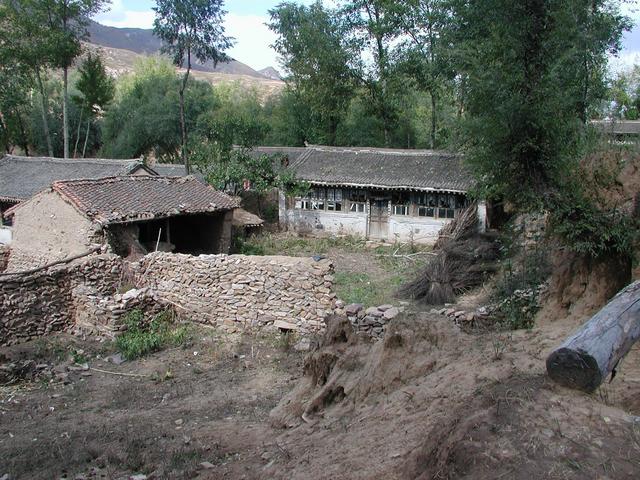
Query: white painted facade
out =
(6, 235)
(401, 228)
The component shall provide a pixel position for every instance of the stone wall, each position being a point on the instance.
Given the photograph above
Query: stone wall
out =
(240, 291)
(41, 303)
(4, 258)
(233, 292)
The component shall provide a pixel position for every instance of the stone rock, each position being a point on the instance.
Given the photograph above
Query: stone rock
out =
(138, 476)
(207, 465)
(339, 304)
(384, 308)
(116, 359)
(459, 313)
(304, 345)
(391, 313)
(353, 308)
(282, 325)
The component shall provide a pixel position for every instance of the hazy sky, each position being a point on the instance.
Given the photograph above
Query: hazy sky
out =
(246, 23)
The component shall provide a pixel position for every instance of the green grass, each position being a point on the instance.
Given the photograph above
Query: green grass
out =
(143, 337)
(291, 245)
(363, 288)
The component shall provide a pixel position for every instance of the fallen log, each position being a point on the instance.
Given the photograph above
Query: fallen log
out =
(587, 358)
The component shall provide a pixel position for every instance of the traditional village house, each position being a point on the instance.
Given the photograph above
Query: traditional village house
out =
(127, 215)
(382, 194)
(23, 177)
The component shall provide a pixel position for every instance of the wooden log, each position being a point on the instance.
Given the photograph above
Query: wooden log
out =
(587, 358)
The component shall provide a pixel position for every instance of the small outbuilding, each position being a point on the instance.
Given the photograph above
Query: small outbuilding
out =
(127, 215)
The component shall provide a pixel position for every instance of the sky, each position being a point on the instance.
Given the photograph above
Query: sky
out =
(246, 20)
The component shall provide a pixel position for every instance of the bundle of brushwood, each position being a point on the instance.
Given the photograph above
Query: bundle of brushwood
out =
(464, 259)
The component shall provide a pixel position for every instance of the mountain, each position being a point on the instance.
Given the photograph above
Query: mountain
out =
(271, 73)
(144, 42)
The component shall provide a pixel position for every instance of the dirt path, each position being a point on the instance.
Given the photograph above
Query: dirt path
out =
(204, 403)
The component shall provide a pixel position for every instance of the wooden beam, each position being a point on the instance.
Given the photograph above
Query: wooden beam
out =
(587, 358)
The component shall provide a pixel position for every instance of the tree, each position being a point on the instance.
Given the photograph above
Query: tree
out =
(66, 25)
(373, 26)
(15, 86)
(191, 28)
(425, 54)
(97, 91)
(525, 70)
(144, 118)
(26, 40)
(311, 45)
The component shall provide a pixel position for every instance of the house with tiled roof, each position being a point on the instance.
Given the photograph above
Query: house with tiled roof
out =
(127, 215)
(23, 177)
(382, 194)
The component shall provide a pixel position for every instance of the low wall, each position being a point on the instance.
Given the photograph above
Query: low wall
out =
(242, 291)
(41, 303)
(4, 258)
(234, 292)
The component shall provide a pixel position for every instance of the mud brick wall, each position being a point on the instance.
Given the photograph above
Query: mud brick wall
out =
(240, 291)
(41, 303)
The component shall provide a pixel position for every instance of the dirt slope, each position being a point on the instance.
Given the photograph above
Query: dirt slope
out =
(432, 402)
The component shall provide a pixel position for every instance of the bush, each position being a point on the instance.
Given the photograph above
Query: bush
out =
(144, 337)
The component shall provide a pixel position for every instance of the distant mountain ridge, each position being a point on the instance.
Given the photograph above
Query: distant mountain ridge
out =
(144, 42)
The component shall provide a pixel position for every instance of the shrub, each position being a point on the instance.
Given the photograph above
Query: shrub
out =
(143, 337)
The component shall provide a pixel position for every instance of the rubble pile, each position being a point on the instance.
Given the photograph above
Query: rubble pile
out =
(372, 320)
(4, 257)
(104, 315)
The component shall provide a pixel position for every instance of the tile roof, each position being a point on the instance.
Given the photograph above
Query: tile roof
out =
(242, 218)
(23, 177)
(131, 198)
(176, 170)
(383, 168)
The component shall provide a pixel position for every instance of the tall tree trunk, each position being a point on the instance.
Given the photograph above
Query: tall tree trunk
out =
(75, 147)
(45, 110)
(65, 116)
(183, 123)
(86, 138)
(23, 134)
(434, 119)
(5, 132)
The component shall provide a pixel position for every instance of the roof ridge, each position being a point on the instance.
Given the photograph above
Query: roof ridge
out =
(125, 178)
(114, 161)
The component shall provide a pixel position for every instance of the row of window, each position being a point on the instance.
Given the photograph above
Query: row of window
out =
(434, 205)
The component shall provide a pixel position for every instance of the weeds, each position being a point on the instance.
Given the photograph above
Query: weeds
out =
(271, 244)
(142, 337)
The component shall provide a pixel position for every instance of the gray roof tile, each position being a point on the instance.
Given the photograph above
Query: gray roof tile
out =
(23, 177)
(383, 168)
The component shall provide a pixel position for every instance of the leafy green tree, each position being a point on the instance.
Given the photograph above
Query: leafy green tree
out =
(191, 28)
(96, 89)
(26, 40)
(15, 87)
(66, 25)
(312, 48)
(425, 55)
(144, 117)
(373, 27)
(525, 68)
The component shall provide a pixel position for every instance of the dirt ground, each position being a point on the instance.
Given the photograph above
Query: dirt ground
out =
(427, 402)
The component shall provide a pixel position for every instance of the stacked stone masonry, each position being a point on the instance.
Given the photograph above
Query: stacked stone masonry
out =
(235, 292)
(243, 291)
(38, 304)
(4, 258)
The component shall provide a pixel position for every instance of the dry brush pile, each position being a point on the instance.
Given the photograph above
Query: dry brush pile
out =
(464, 259)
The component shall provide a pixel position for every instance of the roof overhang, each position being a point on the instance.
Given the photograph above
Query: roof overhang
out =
(384, 187)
